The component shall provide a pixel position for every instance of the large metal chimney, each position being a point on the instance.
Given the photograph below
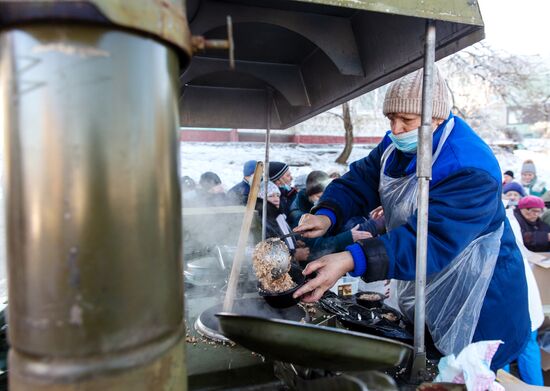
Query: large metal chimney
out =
(89, 110)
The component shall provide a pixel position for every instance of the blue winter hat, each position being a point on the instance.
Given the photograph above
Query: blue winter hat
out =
(249, 167)
(513, 186)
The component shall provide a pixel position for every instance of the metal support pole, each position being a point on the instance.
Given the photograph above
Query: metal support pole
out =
(424, 173)
(269, 98)
(93, 209)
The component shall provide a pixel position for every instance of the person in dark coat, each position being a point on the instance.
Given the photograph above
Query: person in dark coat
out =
(316, 182)
(276, 224)
(536, 233)
(211, 192)
(238, 194)
(471, 246)
(279, 173)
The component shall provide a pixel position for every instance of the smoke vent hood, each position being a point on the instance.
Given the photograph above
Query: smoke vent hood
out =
(313, 55)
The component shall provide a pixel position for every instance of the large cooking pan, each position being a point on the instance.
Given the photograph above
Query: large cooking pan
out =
(313, 346)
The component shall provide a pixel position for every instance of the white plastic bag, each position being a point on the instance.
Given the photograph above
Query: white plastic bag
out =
(471, 367)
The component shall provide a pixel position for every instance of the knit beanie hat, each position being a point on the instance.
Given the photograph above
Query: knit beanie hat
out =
(316, 182)
(531, 202)
(249, 167)
(272, 189)
(187, 183)
(277, 170)
(528, 166)
(405, 95)
(513, 186)
(509, 173)
(209, 179)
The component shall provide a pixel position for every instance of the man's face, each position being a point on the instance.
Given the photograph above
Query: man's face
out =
(286, 179)
(507, 178)
(527, 177)
(402, 122)
(531, 214)
(512, 196)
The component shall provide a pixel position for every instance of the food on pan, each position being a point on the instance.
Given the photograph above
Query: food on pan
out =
(264, 260)
(370, 297)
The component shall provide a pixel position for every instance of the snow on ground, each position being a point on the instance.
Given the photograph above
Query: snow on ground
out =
(227, 159)
(538, 150)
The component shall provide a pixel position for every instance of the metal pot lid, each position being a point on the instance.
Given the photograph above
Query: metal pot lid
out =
(313, 346)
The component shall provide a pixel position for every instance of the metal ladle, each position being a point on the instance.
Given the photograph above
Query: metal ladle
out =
(278, 256)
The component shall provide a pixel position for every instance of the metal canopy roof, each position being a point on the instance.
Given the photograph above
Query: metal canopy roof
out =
(313, 54)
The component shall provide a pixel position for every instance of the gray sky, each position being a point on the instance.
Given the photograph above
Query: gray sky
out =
(519, 27)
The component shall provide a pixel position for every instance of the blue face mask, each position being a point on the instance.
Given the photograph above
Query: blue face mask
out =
(405, 142)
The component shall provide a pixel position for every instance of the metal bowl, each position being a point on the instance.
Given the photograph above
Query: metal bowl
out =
(376, 303)
(284, 299)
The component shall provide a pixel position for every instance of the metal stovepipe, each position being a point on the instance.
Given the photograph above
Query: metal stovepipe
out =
(268, 98)
(90, 116)
(424, 173)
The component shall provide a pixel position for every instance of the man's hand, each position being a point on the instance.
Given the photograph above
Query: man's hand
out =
(359, 235)
(301, 253)
(329, 269)
(377, 213)
(313, 226)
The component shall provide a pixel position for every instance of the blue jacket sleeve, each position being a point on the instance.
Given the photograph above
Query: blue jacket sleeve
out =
(356, 192)
(462, 207)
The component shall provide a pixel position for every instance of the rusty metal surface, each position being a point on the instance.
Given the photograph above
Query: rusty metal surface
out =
(461, 11)
(164, 19)
(93, 203)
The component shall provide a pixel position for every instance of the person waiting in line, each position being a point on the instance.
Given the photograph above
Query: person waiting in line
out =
(529, 360)
(507, 177)
(276, 224)
(546, 215)
(316, 183)
(188, 190)
(211, 191)
(512, 192)
(279, 173)
(476, 286)
(536, 233)
(238, 194)
(529, 180)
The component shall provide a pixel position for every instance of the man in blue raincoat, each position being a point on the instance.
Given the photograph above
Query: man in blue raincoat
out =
(476, 288)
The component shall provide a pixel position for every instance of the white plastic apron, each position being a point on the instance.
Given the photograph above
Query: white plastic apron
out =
(454, 296)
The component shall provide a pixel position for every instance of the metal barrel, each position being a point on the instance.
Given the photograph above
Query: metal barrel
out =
(90, 117)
